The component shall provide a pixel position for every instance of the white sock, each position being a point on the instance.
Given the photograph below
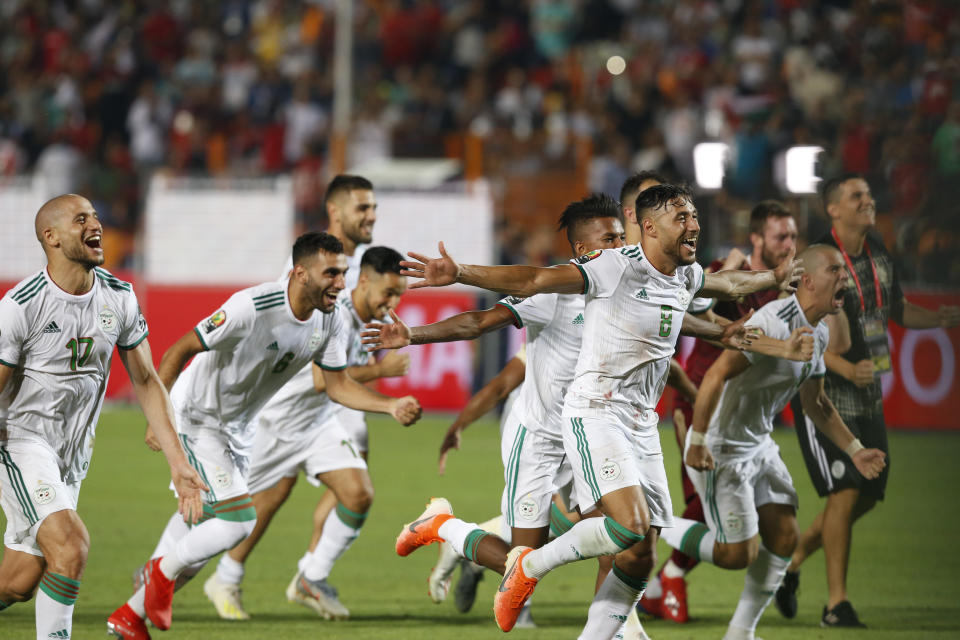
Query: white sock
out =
(229, 570)
(671, 570)
(176, 528)
(203, 542)
(761, 582)
(618, 595)
(589, 538)
(336, 538)
(455, 532)
(302, 562)
(136, 602)
(54, 606)
(654, 588)
(691, 537)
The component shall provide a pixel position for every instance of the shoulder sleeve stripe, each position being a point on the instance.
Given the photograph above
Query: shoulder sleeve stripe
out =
(29, 296)
(128, 347)
(586, 279)
(200, 337)
(517, 320)
(260, 306)
(24, 288)
(33, 286)
(5, 363)
(326, 368)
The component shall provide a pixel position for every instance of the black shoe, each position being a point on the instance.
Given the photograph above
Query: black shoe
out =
(465, 592)
(786, 597)
(842, 615)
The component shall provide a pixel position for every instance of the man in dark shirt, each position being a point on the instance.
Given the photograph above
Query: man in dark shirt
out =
(857, 354)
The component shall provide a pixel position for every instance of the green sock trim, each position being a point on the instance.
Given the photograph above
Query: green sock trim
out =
(638, 584)
(472, 544)
(61, 588)
(559, 522)
(621, 536)
(350, 518)
(690, 542)
(3, 605)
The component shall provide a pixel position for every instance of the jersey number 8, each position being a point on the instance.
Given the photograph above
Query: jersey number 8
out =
(666, 320)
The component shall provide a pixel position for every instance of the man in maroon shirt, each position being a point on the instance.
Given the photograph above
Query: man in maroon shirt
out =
(773, 233)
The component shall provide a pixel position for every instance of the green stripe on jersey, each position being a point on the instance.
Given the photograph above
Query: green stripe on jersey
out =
(518, 321)
(29, 286)
(267, 296)
(34, 290)
(200, 338)
(586, 280)
(261, 307)
(128, 347)
(19, 486)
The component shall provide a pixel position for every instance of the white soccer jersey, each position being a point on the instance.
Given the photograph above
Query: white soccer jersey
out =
(254, 345)
(60, 346)
(554, 326)
(632, 320)
(751, 400)
(353, 267)
(297, 408)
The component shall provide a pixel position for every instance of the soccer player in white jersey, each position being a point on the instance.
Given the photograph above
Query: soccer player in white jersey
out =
(748, 495)
(245, 352)
(58, 329)
(636, 297)
(299, 429)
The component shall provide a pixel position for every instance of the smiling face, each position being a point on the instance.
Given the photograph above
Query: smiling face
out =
(381, 292)
(71, 226)
(323, 279)
(853, 206)
(356, 212)
(676, 229)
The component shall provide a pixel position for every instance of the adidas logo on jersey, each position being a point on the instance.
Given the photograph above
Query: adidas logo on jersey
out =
(273, 346)
(578, 319)
(51, 328)
(642, 294)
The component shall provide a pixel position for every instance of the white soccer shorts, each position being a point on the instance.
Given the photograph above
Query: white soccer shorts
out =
(733, 490)
(355, 424)
(607, 455)
(330, 449)
(208, 451)
(534, 468)
(31, 488)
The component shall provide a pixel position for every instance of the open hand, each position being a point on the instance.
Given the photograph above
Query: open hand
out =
(788, 272)
(190, 488)
(738, 336)
(434, 272)
(949, 316)
(450, 441)
(386, 336)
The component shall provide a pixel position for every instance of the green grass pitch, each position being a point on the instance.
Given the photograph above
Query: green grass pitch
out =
(903, 577)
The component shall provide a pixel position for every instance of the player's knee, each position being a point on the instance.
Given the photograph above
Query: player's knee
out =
(736, 555)
(638, 560)
(358, 498)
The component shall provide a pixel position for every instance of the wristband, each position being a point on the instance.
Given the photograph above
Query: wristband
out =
(696, 438)
(853, 447)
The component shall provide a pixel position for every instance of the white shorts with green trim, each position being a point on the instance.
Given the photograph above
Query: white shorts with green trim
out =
(331, 448)
(534, 468)
(607, 455)
(355, 424)
(736, 487)
(31, 488)
(208, 451)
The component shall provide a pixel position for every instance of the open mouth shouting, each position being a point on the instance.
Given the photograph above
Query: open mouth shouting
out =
(690, 243)
(837, 301)
(94, 241)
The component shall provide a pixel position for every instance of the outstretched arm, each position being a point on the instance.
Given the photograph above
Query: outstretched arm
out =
(463, 326)
(728, 365)
(516, 280)
(344, 390)
(917, 317)
(176, 357)
(483, 401)
(817, 405)
(733, 284)
(153, 399)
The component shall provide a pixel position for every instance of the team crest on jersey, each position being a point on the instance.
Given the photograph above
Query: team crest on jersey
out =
(528, 508)
(222, 479)
(214, 321)
(108, 320)
(684, 298)
(609, 471)
(587, 257)
(315, 341)
(44, 494)
(733, 523)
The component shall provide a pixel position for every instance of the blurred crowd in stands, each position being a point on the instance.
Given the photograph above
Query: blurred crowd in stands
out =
(97, 94)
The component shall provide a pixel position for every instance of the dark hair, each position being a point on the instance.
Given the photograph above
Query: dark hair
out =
(830, 187)
(597, 205)
(313, 242)
(764, 210)
(630, 188)
(381, 260)
(345, 183)
(658, 197)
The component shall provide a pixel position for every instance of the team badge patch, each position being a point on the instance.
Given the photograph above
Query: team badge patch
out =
(609, 470)
(108, 320)
(44, 494)
(222, 479)
(684, 298)
(214, 321)
(528, 509)
(315, 341)
(587, 257)
(733, 524)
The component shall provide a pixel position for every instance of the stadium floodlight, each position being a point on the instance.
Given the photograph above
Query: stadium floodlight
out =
(709, 159)
(799, 169)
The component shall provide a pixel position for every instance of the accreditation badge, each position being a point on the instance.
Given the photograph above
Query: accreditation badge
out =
(875, 336)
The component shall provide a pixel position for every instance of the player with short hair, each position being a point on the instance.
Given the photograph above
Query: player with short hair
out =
(58, 329)
(636, 297)
(873, 298)
(299, 430)
(245, 352)
(732, 459)
(773, 234)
